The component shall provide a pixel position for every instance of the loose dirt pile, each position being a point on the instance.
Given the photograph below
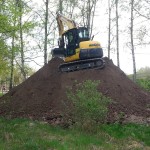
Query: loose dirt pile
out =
(43, 95)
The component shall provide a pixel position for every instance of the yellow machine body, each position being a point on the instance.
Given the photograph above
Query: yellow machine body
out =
(83, 45)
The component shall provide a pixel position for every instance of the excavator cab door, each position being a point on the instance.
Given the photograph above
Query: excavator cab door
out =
(70, 42)
(72, 38)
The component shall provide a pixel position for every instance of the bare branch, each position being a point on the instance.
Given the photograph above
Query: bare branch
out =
(141, 14)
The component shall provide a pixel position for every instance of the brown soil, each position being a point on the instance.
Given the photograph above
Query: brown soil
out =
(43, 95)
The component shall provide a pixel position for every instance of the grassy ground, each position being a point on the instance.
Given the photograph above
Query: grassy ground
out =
(22, 134)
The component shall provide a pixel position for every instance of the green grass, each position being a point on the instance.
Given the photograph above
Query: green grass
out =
(144, 83)
(1, 94)
(135, 131)
(23, 134)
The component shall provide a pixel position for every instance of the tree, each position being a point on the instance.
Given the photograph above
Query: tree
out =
(16, 10)
(12, 57)
(60, 7)
(142, 10)
(5, 32)
(46, 26)
(109, 28)
(4, 55)
(117, 33)
(132, 40)
(24, 25)
(141, 7)
(20, 5)
(90, 14)
(12, 62)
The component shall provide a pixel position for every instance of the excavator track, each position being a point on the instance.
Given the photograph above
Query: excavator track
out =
(82, 64)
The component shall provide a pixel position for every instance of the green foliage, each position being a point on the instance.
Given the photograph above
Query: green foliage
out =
(4, 55)
(13, 18)
(90, 106)
(5, 27)
(27, 26)
(144, 83)
(1, 94)
(24, 134)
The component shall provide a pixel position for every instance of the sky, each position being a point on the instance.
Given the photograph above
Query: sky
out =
(142, 54)
(100, 31)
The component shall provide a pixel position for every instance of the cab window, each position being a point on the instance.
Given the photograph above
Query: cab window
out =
(83, 33)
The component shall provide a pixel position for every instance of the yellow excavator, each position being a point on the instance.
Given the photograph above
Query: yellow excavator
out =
(76, 48)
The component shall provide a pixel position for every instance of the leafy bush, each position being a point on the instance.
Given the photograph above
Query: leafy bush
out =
(144, 83)
(90, 106)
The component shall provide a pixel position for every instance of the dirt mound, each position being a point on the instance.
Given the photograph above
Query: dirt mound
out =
(43, 95)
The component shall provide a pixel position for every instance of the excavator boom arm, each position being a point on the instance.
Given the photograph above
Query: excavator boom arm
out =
(64, 24)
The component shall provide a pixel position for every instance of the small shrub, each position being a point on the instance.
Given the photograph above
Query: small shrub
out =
(90, 106)
(144, 83)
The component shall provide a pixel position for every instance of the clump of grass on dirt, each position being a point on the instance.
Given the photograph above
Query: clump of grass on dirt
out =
(25, 134)
(90, 107)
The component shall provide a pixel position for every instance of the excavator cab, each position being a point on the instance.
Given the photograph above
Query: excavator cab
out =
(71, 39)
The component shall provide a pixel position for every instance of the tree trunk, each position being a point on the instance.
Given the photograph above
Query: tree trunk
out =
(132, 42)
(12, 64)
(117, 34)
(46, 24)
(61, 6)
(21, 42)
(92, 18)
(109, 28)
(89, 15)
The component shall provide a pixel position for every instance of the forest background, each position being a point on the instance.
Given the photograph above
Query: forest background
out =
(28, 32)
